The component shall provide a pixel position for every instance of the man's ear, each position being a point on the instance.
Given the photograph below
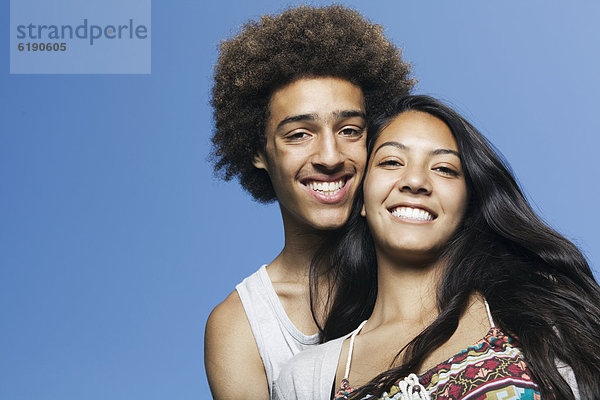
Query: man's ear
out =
(260, 161)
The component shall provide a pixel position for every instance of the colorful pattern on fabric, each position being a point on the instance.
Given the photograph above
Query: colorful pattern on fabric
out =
(492, 369)
(345, 390)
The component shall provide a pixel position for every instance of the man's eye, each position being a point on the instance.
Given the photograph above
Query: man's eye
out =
(352, 131)
(298, 136)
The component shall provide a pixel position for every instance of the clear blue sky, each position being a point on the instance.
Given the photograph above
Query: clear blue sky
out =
(116, 240)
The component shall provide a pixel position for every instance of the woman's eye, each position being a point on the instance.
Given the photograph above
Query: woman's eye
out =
(447, 171)
(390, 163)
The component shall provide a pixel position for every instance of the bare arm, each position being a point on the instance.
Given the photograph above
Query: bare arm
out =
(233, 364)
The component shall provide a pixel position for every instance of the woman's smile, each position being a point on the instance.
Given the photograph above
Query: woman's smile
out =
(415, 192)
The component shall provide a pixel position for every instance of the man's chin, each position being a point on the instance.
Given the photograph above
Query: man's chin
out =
(329, 224)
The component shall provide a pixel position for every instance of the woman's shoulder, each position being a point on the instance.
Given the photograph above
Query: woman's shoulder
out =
(310, 374)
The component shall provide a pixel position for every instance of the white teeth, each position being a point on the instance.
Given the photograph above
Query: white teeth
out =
(412, 213)
(327, 188)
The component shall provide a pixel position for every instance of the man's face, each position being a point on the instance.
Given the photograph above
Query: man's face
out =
(315, 151)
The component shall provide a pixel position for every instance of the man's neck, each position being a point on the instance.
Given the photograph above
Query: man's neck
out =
(301, 244)
(293, 263)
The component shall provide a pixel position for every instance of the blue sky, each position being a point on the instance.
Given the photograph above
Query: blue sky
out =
(116, 240)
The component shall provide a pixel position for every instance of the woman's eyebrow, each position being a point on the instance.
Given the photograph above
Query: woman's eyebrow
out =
(444, 151)
(398, 145)
(401, 146)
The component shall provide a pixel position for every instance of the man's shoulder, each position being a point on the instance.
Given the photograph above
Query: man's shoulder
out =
(229, 320)
(226, 327)
(231, 354)
(231, 310)
(230, 351)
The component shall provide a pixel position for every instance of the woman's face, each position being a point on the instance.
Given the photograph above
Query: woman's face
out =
(414, 190)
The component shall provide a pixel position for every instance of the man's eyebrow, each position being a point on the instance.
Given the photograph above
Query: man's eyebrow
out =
(349, 114)
(401, 146)
(296, 118)
(314, 117)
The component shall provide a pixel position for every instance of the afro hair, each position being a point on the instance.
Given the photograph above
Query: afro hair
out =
(301, 42)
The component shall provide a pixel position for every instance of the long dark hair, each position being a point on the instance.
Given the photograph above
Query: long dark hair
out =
(540, 287)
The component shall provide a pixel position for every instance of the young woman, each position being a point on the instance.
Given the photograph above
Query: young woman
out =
(445, 283)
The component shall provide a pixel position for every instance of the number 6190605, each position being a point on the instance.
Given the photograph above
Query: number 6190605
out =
(42, 46)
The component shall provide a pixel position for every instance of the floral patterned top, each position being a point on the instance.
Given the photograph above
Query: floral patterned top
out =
(493, 369)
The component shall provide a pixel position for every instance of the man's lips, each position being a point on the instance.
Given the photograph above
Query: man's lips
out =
(326, 186)
(328, 189)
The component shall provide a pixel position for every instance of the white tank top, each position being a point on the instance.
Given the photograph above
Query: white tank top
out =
(277, 338)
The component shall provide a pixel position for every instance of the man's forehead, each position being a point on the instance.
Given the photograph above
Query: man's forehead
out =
(316, 99)
(317, 90)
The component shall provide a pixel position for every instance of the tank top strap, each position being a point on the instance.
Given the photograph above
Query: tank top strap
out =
(489, 313)
(351, 347)
(356, 332)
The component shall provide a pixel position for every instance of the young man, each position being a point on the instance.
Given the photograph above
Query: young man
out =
(290, 100)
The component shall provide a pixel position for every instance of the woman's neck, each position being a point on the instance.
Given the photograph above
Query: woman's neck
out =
(406, 291)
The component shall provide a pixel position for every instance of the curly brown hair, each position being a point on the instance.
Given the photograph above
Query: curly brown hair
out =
(301, 42)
